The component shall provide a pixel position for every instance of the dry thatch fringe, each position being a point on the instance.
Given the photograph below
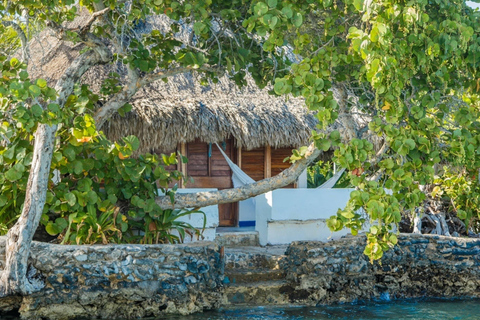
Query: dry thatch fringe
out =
(182, 110)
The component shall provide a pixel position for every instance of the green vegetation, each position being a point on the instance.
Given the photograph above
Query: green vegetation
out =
(101, 194)
(321, 171)
(409, 67)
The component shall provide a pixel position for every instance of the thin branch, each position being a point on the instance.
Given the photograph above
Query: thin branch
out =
(134, 84)
(326, 44)
(92, 19)
(152, 77)
(22, 36)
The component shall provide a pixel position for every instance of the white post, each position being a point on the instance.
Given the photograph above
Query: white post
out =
(302, 180)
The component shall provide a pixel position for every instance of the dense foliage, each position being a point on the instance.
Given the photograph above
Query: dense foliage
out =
(410, 68)
(97, 192)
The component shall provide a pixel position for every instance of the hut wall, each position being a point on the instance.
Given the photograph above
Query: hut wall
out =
(259, 164)
(265, 162)
(208, 169)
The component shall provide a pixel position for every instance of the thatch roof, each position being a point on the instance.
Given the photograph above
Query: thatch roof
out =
(181, 111)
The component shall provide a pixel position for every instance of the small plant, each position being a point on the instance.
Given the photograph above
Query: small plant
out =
(321, 171)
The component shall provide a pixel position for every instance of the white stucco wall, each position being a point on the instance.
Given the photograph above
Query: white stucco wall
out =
(287, 215)
(246, 210)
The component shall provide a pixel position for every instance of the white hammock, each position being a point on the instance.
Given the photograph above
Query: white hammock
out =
(239, 178)
(331, 182)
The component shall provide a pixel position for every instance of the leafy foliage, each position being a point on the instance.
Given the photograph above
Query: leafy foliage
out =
(95, 179)
(462, 190)
(411, 67)
(321, 171)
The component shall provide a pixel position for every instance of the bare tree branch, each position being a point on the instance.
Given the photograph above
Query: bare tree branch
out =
(203, 199)
(134, 84)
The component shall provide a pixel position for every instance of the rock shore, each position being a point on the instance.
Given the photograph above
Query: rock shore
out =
(135, 281)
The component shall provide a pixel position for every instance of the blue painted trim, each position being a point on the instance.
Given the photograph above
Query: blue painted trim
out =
(246, 223)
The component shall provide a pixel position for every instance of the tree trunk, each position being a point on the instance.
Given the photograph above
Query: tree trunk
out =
(203, 199)
(417, 222)
(19, 238)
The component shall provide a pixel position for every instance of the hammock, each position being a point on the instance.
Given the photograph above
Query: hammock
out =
(332, 181)
(239, 178)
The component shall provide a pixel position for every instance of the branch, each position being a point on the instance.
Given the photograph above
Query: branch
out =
(119, 99)
(21, 35)
(152, 77)
(203, 199)
(92, 19)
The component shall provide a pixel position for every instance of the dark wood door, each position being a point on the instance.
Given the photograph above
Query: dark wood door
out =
(209, 169)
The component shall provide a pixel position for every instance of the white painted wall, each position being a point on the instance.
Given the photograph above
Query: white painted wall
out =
(287, 215)
(246, 210)
(308, 204)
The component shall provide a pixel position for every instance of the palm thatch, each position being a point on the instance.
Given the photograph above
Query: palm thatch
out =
(182, 111)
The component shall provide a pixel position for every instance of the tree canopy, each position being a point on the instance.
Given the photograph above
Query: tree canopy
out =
(397, 79)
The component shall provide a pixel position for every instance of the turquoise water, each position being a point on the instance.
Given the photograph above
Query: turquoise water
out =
(407, 309)
(431, 309)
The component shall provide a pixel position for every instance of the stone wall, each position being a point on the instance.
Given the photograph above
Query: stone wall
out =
(421, 265)
(122, 281)
(134, 281)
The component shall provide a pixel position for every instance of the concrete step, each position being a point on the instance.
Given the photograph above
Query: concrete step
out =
(259, 293)
(237, 238)
(253, 258)
(238, 276)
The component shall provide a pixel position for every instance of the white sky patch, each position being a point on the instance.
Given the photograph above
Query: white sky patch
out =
(473, 4)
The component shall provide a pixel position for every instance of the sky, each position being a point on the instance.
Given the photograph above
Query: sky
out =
(473, 4)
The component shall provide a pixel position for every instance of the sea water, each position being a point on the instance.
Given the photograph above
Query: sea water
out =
(424, 309)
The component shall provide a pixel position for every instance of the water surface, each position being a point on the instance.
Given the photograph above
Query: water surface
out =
(425, 309)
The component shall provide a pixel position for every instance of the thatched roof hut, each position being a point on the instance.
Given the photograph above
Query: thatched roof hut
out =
(181, 111)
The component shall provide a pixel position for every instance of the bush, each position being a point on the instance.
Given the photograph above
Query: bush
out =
(100, 193)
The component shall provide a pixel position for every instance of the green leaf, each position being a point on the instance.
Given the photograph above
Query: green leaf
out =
(35, 90)
(112, 198)
(143, 65)
(77, 167)
(15, 172)
(52, 229)
(287, 11)
(69, 153)
(461, 214)
(272, 3)
(41, 83)
(3, 200)
(61, 223)
(374, 34)
(358, 4)
(260, 9)
(323, 144)
(133, 141)
(37, 110)
(393, 239)
(347, 214)
(199, 27)
(297, 19)
(92, 197)
(70, 198)
(14, 62)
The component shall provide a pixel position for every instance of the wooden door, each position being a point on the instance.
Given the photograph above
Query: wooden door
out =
(208, 168)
